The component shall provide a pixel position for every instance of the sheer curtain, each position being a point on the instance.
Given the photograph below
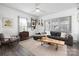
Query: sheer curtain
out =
(22, 24)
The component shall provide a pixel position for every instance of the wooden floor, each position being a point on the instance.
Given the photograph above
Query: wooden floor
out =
(73, 51)
(14, 51)
(35, 47)
(18, 50)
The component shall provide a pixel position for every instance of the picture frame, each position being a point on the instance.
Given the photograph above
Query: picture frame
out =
(7, 22)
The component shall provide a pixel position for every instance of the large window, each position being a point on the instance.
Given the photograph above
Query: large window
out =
(22, 24)
(61, 24)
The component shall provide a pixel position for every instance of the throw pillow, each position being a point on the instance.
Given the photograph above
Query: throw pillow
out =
(63, 35)
(48, 32)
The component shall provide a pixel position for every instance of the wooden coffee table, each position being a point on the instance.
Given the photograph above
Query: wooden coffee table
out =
(46, 40)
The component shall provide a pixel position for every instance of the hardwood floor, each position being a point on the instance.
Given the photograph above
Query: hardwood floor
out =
(73, 51)
(20, 51)
(35, 47)
(14, 51)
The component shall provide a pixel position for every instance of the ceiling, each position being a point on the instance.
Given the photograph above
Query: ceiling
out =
(47, 8)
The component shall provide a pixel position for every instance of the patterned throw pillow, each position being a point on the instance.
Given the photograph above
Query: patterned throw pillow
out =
(63, 34)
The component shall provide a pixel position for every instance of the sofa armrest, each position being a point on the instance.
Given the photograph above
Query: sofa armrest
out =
(69, 40)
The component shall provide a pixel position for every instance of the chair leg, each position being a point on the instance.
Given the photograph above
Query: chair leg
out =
(1, 51)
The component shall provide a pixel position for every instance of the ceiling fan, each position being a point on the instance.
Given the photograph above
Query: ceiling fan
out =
(37, 9)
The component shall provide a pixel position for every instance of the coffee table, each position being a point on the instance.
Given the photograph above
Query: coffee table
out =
(46, 40)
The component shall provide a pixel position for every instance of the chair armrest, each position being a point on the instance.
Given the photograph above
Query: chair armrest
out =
(5, 39)
(18, 37)
(0, 42)
(14, 38)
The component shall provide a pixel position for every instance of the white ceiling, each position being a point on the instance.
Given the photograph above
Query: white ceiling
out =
(47, 8)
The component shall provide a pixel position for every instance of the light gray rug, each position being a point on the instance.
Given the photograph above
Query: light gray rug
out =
(45, 50)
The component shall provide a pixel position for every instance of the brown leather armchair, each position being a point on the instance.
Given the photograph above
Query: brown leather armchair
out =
(24, 35)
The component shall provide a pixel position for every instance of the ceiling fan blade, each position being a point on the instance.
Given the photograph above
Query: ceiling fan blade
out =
(42, 11)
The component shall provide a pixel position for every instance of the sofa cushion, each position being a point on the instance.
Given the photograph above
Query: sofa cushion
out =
(55, 33)
(52, 33)
(48, 32)
(56, 38)
(58, 34)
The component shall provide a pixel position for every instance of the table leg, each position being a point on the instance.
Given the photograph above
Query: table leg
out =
(42, 43)
(56, 47)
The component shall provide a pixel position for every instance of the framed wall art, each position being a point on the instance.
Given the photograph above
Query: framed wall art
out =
(7, 22)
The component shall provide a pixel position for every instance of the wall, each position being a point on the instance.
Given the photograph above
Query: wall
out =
(0, 24)
(70, 12)
(13, 14)
(78, 27)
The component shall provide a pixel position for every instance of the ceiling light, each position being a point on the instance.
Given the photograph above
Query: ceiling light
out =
(37, 10)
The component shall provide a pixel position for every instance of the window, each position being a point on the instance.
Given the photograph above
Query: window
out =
(22, 24)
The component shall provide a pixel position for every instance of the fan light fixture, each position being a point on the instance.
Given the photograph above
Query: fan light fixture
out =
(36, 7)
(37, 10)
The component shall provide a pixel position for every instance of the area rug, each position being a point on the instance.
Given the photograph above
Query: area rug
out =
(45, 50)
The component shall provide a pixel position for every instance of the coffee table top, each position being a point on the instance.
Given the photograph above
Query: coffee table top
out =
(53, 41)
(41, 35)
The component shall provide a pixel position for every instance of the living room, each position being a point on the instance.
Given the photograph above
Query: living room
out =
(31, 22)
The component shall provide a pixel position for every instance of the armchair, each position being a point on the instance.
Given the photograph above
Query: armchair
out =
(8, 40)
(24, 35)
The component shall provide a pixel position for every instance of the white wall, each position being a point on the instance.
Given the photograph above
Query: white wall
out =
(13, 14)
(78, 26)
(0, 24)
(70, 12)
